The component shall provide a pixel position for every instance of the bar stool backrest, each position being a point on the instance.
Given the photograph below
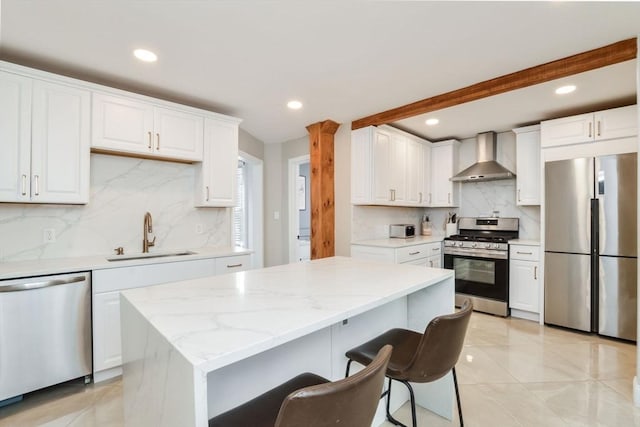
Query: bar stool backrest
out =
(351, 401)
(440, 346)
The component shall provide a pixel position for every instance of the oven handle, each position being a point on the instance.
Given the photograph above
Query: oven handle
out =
(480, 255)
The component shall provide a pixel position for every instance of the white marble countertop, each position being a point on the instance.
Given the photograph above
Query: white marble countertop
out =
(216, 321)
(399, 243)
(524, 242)
(17, 269)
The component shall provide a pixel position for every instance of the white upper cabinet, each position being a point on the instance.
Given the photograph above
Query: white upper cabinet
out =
(387, 167)
(425, 182)
(383, 160)
(131, 126)
(444, 164)
(216, 175)
(528, 165)
(602, 125)
(44, 128)
(122, 124)
(414, 172)
(179, 135)
(15, 137)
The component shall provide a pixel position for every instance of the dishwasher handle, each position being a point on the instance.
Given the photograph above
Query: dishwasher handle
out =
(27, 286)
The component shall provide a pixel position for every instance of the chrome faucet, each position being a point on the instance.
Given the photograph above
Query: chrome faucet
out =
(148, 228)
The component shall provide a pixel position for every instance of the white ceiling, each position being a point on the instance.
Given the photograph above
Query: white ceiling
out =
(342, 59)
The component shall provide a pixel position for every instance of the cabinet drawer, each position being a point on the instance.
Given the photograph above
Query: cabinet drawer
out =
(373, 253)
(233, 264)
(120, 278)
(411, 253)
(525, 253)
(423, 262)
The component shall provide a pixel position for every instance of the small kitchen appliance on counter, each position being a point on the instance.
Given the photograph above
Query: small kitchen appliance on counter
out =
(402, 231)
(479, 254)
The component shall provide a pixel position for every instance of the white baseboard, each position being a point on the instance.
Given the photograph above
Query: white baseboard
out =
(527, 315)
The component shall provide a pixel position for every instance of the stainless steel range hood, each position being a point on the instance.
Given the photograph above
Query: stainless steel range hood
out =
(485, 168)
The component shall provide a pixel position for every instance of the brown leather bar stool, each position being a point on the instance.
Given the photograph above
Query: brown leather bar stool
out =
(312, 401)
(419, 358)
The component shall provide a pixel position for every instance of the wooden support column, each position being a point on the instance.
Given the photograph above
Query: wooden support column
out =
(322, 188)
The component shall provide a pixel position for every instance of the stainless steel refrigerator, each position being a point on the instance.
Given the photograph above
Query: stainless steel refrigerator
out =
(590, 258)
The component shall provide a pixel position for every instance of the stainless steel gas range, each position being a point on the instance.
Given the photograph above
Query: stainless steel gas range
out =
(479, 254)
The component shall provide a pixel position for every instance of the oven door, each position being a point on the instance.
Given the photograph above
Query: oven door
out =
(480, 276)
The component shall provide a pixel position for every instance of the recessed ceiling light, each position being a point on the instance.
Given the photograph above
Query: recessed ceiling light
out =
(563, 90)
(294, 105)
(432, 122)
(145, 55)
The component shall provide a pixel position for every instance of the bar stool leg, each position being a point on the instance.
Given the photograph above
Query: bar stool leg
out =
(348, 366)
(455, 383)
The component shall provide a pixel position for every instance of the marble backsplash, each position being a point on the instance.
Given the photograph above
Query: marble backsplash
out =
(122, 190)
(477, 199)
(372, 222)
(483, 198)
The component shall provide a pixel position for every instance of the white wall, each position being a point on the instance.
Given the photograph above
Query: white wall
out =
(273, 204)
(342, 190)
(122, 190)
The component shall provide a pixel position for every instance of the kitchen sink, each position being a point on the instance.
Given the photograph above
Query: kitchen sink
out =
(149, 255)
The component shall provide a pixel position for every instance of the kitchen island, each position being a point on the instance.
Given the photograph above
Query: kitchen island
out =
(196, 348)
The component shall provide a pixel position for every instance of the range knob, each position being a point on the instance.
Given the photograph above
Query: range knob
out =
(474, 244)
(487, 245)
(496, 246)
(459, 244)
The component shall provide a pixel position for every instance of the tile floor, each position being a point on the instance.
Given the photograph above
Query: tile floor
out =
(512, 373)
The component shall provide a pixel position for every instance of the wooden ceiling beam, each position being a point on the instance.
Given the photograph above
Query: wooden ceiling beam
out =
(586, 61)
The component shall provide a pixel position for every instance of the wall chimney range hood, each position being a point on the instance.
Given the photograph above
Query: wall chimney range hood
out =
(485, 168)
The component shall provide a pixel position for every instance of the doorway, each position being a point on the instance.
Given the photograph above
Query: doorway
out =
(299, 209)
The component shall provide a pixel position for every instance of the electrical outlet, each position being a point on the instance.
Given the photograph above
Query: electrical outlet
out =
(199, 229)
(49, 235)
(276, 215)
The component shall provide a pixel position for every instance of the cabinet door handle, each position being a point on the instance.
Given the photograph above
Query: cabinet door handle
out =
(429, 198)
(590, 126)
(36, 185)
(535, 272)
(518, 194)
(414, 253)
(234, 265)
(598, 128)
(449, 198)
(430, 263)
(420, 197)
(524, 253)
(207, 193)
(24, 184)
(157, 142)
(149, 134)
(435, 249)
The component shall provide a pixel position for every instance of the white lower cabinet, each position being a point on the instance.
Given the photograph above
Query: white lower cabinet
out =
(524, 286)
(107, 284)
(106, 327)
(425, 254)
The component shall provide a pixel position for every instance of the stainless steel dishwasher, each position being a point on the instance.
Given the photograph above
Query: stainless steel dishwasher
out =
(45, 332)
